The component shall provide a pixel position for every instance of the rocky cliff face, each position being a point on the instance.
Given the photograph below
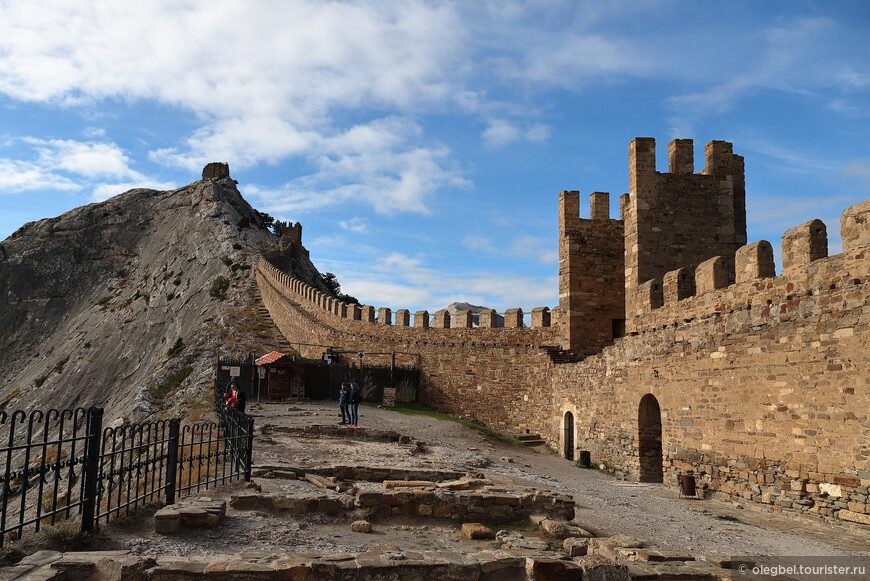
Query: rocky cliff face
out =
(93, 302)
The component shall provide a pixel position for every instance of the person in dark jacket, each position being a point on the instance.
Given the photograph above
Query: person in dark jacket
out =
(343, 402)
(355, 399)
(235, 397)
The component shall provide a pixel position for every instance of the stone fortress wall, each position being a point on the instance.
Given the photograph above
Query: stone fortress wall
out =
(497, 375)
(679, 349)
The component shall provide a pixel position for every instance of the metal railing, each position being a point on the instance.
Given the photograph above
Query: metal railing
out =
(62, 465)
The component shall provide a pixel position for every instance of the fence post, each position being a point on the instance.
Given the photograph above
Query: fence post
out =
(92, 463)
(250, 448)
(172, 459)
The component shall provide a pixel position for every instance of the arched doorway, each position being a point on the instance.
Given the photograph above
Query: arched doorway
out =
(569, 436)
(649, 439)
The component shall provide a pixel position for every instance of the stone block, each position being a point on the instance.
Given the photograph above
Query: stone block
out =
(444, 511)
(678, 285)
(541, 317)
(650, 294)
(681, 156)
(291, 570)
(513, 318)
(477, 531)
(754, 261)
(216, 170)
(858, 507)
(361, 526)
(487, 319)
(855, 228)
(802, 245)
(403, 318)
(462, 320)
(833, 490)
(385, 316)
(555, 528)
(599, 206)
(421, 319)
(855, 517)
(576, 547)
(710, 275)
(545, 569)
(441, 320)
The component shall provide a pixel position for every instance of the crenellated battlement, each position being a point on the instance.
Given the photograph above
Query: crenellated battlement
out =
(670, 225)
(591, 290)
(685, 294)
(680, 218)
(487, 319)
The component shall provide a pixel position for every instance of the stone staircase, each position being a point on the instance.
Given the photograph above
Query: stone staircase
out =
(278, 342)
(531, 440)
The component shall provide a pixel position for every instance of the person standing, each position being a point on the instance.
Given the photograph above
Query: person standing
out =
(343, 402)
(355, 399)
(237, 398)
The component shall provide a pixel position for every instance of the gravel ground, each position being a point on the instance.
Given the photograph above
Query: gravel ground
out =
(608, 506)
(604, 505)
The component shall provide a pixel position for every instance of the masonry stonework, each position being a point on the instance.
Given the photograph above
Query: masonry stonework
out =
(757, 384)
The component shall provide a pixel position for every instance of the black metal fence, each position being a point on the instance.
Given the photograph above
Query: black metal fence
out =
(373, 379)
(63, 466)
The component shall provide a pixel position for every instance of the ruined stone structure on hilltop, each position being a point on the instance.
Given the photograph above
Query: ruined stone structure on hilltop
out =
(675, 349)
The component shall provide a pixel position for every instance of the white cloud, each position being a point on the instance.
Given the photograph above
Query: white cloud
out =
(407, 290)
(376, 163)
(105, 191)
(479, 243)
(787, 158)
(500, 133)
(798, 56)
(266, 80)
(93, 132)
(541, 249)
(68, 165)
(354, 225)
(88, 159)
(400, 281)
(574, 60)
(18, 176)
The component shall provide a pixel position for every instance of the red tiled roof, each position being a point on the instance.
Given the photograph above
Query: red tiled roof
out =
(269, 358)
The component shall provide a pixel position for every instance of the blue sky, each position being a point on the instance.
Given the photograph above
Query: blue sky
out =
(423, 144)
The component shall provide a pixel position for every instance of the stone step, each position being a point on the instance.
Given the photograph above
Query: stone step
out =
(531, 440)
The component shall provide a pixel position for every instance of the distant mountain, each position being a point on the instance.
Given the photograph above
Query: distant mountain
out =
(454, 308)
(125, 303)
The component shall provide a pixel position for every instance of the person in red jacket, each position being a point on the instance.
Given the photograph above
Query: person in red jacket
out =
(235, 397)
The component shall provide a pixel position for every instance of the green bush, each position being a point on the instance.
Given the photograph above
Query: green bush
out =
(58, 367)
(66, 536)
(169, 385)
(176, 349)
(219, 287)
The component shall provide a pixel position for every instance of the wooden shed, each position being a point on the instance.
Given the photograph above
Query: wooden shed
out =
(279, 376)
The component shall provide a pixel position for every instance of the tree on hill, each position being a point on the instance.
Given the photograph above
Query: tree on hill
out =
(331, 282)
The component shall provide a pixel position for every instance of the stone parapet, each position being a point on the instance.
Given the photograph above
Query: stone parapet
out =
(377, 563)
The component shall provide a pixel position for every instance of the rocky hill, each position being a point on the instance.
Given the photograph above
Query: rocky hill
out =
(126, 303)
